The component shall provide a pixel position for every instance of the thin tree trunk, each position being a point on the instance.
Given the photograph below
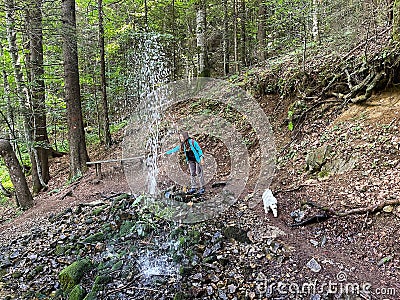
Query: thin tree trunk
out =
(22, 91)
(4, 191)
(175, 68)
(24, 196)
(202, 68)
(235, 35)
(76, 134)
(225, 41)
(243, 55)
(103, 82)
(261, 32)
(9, 118)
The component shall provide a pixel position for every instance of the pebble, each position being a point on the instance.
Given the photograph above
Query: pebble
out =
(313, 265)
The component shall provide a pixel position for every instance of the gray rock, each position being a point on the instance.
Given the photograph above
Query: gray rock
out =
(316, 159)
(313, 265)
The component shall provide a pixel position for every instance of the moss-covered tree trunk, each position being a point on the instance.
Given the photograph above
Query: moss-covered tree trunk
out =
(24, 196)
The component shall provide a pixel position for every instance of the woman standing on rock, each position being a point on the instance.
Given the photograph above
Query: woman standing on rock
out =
(194, 158)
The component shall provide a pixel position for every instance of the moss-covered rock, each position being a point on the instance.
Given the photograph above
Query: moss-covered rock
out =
(117, 265)
(61, 249)
(92, 295)
(77, 293)
(71, 275)
(103, 279)
(126, 228)
(98, 210)
(94, 238)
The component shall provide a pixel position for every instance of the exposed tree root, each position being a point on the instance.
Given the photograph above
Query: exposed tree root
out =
(355, 211)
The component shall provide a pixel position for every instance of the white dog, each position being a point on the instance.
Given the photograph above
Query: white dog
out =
(270, 202)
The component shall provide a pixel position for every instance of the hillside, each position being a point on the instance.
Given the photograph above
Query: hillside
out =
(339, 160)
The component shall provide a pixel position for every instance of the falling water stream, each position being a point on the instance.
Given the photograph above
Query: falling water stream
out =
(150, 71)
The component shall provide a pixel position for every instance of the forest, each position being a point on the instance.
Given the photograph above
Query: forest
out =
(63, 61)
(74, 72)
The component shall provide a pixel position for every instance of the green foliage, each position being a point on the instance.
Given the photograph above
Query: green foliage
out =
(115, 127)
(74, 178)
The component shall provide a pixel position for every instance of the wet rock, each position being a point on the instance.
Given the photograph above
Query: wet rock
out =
(210, 290)
(298, 215)
(231, 288)
(222, 295)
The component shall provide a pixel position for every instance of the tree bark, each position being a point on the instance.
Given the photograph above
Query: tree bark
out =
(9, 118)
(76, 134)
(22, 90)
(261, 32)
(40, 137)
(103, 81)
(235, 35)
(243, 55)
(225, 41)
(24, 196)
(202, 68)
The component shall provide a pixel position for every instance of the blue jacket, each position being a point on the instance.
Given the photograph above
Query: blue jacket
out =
(198, 153)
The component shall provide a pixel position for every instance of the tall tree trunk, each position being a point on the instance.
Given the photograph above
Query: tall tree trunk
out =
(22, 91)
(202, 68)
(76, 134)
(103, 81)
(396, 20)
(261, 32)
(24, 196)
(243, 55)
(9, 118)
(225, 38)
(175, 67)
(235, 35)
(40, 137)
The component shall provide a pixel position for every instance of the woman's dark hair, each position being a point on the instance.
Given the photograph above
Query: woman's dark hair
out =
(186, 137)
